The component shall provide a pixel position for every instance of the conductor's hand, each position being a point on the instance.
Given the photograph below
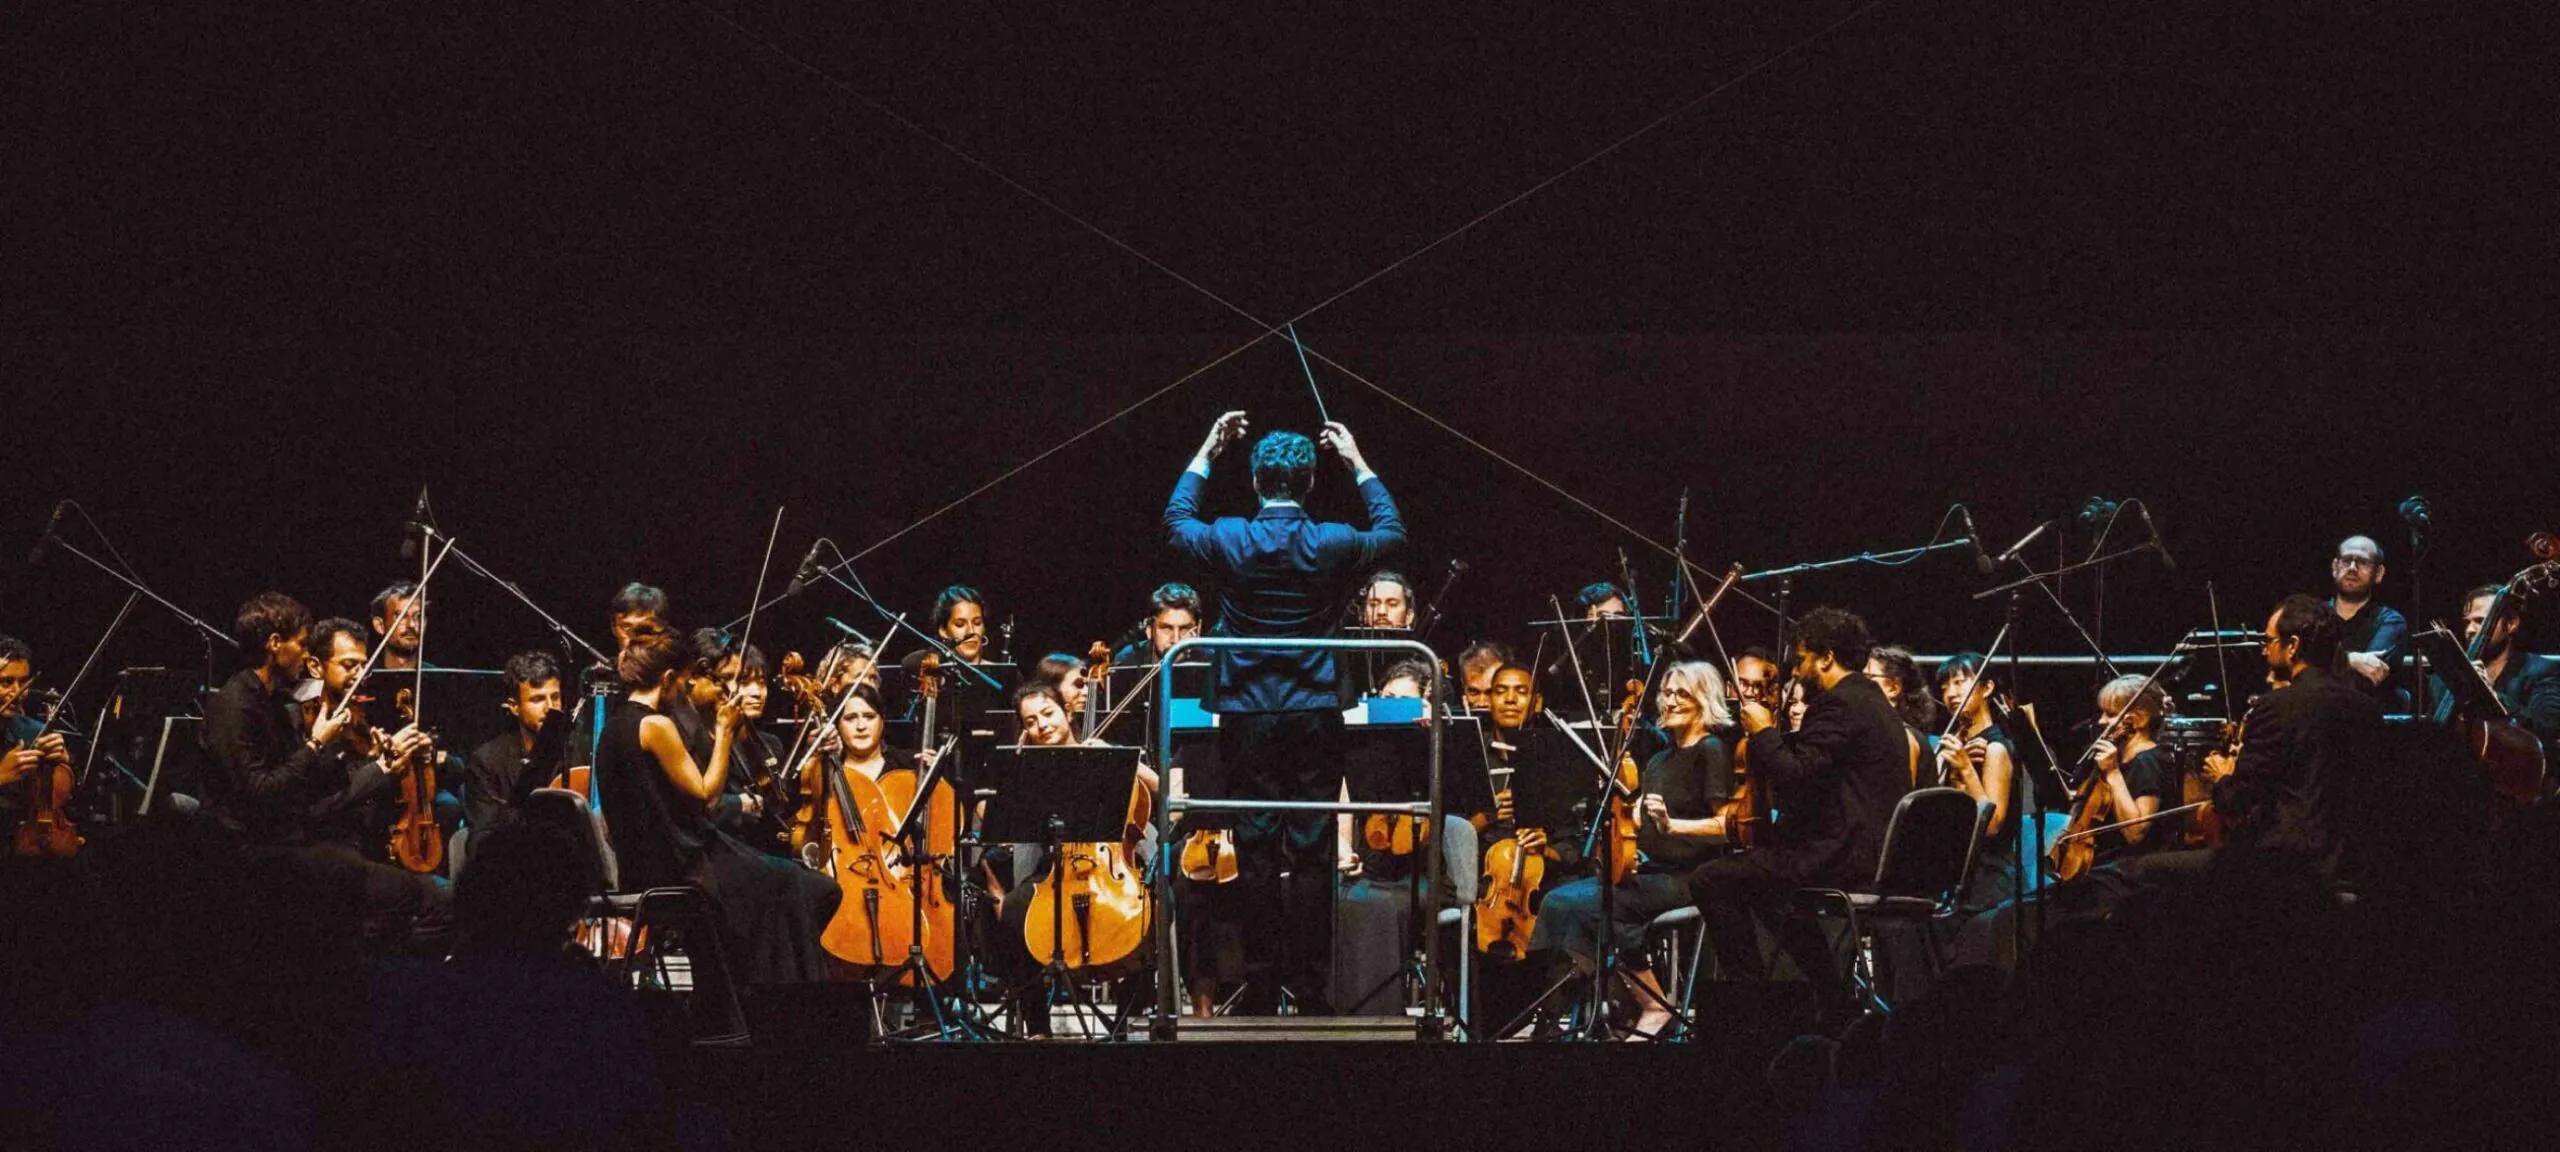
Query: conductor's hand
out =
(1338, 438)
(1228, 429)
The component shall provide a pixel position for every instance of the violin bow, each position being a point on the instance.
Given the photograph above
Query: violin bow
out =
(747, 637)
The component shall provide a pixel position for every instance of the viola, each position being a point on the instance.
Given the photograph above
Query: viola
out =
(1209, 856)
(1093, 905)
(1504, 918)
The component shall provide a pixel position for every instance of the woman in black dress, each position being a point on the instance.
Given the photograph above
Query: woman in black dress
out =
(658, 803)
(1981, 759)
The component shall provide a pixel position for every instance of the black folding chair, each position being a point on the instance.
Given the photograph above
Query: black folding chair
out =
(1928, 857)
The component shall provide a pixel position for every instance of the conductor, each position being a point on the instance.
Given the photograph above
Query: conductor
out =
(1279, 574)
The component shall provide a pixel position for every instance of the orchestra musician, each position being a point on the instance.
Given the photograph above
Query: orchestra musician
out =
(1897, 673)
(1046, 722)
(2135, 777)
(1477, 663)
(1601, 601)
(2306, 746)
(1837, 778)
(502, 770)
(1982, 760)
(1387, 601)
(637, 609)
(718, 664)
(400, 627)
(1755, 678)
(273, 786)
(1065, 672)
(2528, 683)
(960, 619)
(1173, 616)
(1279, 575)
(659, 802)
(1677, 830)
(2371, 631)
(22, 752)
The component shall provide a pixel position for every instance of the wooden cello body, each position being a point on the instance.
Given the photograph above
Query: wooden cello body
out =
(875, 923)
(1092, 913)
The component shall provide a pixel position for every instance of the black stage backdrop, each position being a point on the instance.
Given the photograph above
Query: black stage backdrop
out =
(615, 281)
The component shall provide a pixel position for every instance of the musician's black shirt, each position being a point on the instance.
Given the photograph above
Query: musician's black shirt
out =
(1692, 781)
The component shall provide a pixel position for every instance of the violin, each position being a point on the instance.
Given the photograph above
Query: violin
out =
(1094, 904)
(2075, 849)
(804, 830)
(1209, 856)
(47, 829)
(417, 841)
(1623, 853)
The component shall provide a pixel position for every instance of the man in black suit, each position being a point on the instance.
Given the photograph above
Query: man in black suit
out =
(1834, 782)
(2308, 746)
(1279, 575)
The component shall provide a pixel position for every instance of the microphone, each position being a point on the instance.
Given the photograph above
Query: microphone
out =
(2021, 545)
(2416, 514)
(2166, 561)
(36, 553)
(808, 568)
(416, 527)
(2097, 510)
(1973, 538)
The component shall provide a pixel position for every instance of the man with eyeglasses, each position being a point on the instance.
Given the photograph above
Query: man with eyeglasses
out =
(2371, 631)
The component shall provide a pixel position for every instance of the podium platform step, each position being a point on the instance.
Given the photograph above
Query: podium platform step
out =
(1296, 1029)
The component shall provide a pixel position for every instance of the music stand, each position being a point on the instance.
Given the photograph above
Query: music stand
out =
(155, 701)
(1054, 796)
(2451, 663)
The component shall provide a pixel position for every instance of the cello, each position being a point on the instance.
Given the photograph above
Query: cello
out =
(1094, 904)
(936, 924)
(873, 925)
(2510, 756)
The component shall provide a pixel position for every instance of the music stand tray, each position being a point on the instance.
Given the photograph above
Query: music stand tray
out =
(1083, 788)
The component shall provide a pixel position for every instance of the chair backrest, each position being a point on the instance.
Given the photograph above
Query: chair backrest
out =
(568, 809)
(1458, 857)
(457, 852)
(1929, 846)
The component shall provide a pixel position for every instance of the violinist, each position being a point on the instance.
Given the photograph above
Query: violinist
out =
(2135, 778)
(22, 752)
(1755, 678)
(502, 769)
(370, 759)
(1838, 777)
(749, 806)
(1981, 758)
(1678, 830)
(2306, 746)
(2529, 684)
(1896, 672)
(660, 801)
(274, 786)
(638, 609)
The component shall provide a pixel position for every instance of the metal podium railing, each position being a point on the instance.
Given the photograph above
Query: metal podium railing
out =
(1169, 852)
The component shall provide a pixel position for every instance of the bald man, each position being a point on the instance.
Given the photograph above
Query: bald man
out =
(2373, 630)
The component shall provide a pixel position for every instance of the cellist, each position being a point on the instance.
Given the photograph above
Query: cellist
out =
(1047, 723)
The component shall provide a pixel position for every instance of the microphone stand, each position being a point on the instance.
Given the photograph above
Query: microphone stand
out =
(897, 620)
(2034, 576)
(1898, 556)
(210, 632)
(568, 639)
